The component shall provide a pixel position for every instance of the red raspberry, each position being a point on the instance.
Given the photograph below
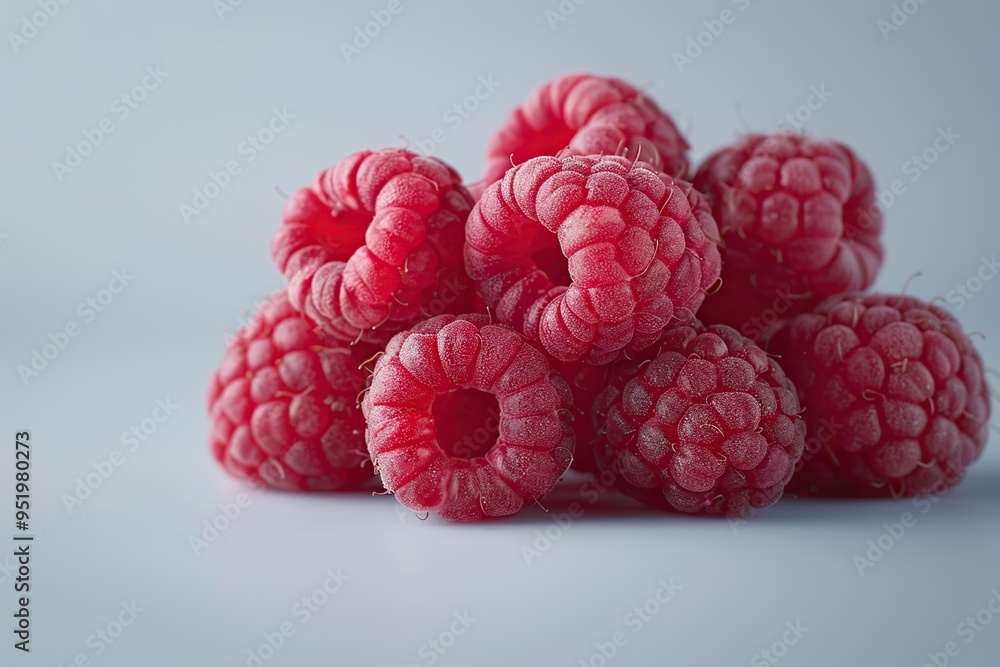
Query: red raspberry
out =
(586, 114)
(896, 402)
(799, 222)
(415, 419)
(376, 243)
(591, 256)
(710, 425)
(283, 405)
(586, 382)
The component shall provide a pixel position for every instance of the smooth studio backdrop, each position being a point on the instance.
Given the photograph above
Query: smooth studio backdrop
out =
(224, 101)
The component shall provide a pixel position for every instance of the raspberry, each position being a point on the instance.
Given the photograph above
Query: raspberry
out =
(799, 221)
(376, 244)
(896, 399)
(709, 425)
(418, 409)
(283, 405)
(586, 382)
(591, 256)
(586, 114)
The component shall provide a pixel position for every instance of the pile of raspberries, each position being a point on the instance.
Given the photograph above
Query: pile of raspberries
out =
(706, 343)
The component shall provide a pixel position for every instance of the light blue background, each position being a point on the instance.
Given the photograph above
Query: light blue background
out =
(162, 335)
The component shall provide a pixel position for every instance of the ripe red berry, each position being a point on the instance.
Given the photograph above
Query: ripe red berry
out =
(585, 114)
(283, 405)
(591, 256)
(895, 396)
(437, 381)
(799, 223)
(586, 383)
(710, 424)
(375, 244)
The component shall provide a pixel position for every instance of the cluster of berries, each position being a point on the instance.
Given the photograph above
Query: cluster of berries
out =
(585, 306)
